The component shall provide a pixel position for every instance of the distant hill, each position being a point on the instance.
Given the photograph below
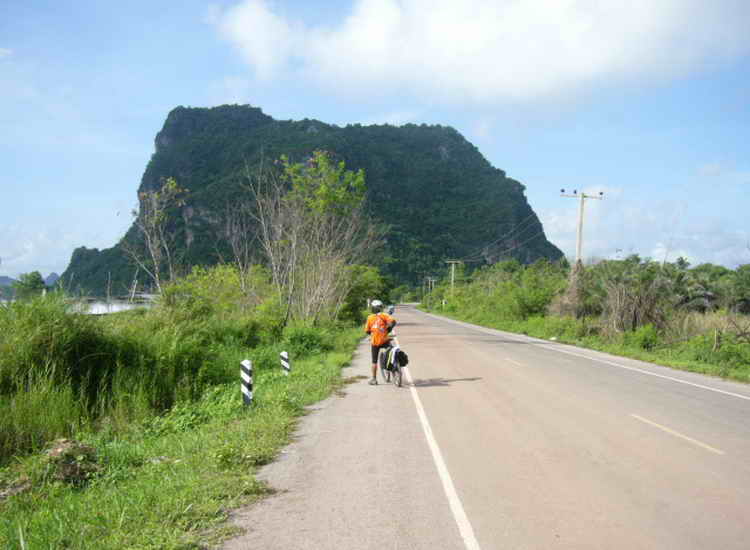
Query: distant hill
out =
(436, 193)
(6, 281)
(51, 279)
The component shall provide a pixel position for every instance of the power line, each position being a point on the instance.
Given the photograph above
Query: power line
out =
(518, 245)
(515, 229)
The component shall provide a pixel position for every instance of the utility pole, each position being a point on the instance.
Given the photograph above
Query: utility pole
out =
(453, 272)
(581, 197)
(423, 278)
(431, 282)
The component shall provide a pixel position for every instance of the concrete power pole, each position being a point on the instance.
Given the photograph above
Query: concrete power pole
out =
(579, 236)
(431, 282)
(453, 272)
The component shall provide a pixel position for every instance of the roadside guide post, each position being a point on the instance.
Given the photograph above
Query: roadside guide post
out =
(285, 364)
(246, 374)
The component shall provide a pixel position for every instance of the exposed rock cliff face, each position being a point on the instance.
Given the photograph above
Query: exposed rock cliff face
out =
(438, 195)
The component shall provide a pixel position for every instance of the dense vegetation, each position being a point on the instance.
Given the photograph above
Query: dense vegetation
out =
(156, 393)
(433, 192)
(690, 318)
(163, 444)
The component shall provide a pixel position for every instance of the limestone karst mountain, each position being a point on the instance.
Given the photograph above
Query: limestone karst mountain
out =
(439, 197)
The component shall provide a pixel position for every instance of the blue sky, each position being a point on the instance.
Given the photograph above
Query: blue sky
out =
(648, 102)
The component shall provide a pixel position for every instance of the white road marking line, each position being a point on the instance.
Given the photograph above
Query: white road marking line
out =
(701, 386)
(514, 362)
(678, 434)
(534, 340)
(462, 520)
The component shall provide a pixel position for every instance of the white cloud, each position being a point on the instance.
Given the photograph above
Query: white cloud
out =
(489, 51)
(5, 52)
(264, 39)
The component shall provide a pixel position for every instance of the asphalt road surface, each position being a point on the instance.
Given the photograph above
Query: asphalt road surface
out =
(499, 441)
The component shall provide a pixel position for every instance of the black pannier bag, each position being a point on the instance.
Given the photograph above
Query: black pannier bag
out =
(403, 359)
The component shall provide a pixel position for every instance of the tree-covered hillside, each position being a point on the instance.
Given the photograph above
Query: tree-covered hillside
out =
(437, 195)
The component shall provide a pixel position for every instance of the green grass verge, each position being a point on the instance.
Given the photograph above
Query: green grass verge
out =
(730, 361)
(170, 482)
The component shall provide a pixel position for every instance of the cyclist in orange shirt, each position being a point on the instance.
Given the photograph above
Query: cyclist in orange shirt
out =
(379, 326)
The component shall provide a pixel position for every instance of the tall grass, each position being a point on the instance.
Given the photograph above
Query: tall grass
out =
(61, 371)
(171, 482)
(156, 394)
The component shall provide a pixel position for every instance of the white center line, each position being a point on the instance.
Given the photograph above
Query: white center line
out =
(514, 362)
(677, 434)
(462, 520)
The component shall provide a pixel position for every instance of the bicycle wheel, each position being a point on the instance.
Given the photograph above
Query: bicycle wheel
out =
(398, 374)
(383, 364)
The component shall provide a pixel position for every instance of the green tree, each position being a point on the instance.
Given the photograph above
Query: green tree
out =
(325, 187)
(29, 284)
(740, 289)
(311, 228)
(633, 293)
(366, 282)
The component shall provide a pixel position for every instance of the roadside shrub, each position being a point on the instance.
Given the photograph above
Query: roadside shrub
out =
(204, 292)
(734, 354)
(699, 348)
(304, 340)
(270, 319)
(644, 337)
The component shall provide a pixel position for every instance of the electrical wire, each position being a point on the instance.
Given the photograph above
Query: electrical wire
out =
(521, 243)
(478, 253)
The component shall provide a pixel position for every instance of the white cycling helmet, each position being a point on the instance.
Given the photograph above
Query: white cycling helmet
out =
(376, 306)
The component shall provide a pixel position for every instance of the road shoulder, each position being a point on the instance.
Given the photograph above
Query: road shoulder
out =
(358, 473)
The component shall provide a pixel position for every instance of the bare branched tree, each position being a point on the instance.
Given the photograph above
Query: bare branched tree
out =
(152, 221)
(739, 325)
(239, 229)
(311, 227)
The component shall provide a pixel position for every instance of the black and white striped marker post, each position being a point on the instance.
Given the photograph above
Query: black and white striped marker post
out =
(246, 373)
(285, 364)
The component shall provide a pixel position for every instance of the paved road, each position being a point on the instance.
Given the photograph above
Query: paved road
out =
(506, 442)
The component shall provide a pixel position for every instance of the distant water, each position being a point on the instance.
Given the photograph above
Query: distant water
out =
(102, 308)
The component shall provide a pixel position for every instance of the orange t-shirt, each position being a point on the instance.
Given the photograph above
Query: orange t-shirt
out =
(377, 326)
